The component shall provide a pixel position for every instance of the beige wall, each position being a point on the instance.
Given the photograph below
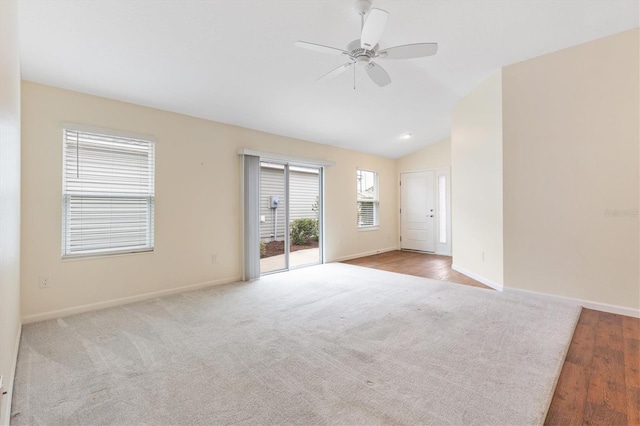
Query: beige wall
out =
(476, 183)
(198, 208)
(9, 198)
(570, 154)
(432, 156)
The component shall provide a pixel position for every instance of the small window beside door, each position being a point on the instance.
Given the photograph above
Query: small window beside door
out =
(367, 198)
(442, 209)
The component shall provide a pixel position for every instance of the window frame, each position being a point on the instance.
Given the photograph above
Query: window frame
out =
(148, 196)
(375, 201)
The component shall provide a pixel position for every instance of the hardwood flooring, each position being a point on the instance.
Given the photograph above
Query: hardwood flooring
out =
(600, 380)
(418, 264)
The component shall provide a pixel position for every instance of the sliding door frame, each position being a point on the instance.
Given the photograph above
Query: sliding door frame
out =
(287, 213)
(249, 257)
(320, 214)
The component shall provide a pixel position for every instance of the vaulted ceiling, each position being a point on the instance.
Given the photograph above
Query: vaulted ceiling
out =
(235, 61)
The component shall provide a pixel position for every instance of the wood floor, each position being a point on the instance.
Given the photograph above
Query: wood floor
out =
(418, 264)
(600, 379)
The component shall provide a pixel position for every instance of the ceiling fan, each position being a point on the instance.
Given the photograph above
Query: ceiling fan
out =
(364, 50)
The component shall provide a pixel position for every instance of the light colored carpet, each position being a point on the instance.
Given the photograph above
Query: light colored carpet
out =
(330, 344)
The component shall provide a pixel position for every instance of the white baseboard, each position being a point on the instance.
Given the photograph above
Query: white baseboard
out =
(355, 256)
(604, 307)
(477, 277)
(8, 385)
(122, 301)
(437, 253)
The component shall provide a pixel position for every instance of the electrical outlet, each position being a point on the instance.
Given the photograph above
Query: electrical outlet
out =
(214, 258)
(45, 282)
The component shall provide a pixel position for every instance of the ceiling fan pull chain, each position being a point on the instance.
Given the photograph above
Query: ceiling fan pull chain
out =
(354, 78)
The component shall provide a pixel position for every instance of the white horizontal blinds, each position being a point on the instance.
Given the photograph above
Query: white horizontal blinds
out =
(367, 190)
(108, 188)
(366, 213)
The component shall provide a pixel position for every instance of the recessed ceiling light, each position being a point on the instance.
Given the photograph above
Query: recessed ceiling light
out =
(407, 136)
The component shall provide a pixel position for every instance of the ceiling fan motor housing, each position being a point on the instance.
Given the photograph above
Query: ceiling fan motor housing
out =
(360, 55)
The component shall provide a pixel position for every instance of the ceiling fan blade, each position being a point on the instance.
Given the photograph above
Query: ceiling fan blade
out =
(378, 74)
(334, 72)
(373, 28)
(320, 48)
(409, 51)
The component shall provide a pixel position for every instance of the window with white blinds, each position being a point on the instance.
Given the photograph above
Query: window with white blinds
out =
(108, 194)
(367, 198)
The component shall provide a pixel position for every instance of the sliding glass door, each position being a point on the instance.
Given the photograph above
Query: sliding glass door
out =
(273, 217)
(304, 216)
(290, 216)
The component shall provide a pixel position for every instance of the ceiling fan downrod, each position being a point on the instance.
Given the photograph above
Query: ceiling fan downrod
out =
(362, 7)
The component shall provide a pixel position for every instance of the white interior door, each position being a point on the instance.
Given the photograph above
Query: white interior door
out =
(417, 211)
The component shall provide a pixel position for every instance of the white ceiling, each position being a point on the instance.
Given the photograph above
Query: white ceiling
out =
(235, 62)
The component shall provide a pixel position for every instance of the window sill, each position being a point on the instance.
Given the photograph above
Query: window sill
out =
(368, 228)
(74, 257)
